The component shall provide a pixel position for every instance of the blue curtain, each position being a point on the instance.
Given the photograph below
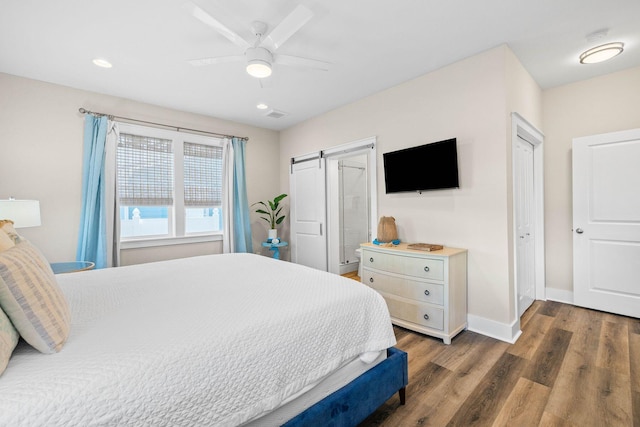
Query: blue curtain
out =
(92, 239)
(241, 221)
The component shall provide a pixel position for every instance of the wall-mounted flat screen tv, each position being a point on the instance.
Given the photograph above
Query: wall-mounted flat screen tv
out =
(431, 166)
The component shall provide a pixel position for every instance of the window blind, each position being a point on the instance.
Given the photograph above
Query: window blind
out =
(202, 175)
(145, 170)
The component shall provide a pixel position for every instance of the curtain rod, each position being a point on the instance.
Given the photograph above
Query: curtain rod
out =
(111, 116)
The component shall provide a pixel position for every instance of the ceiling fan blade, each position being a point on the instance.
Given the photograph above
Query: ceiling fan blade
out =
(216, 60)
(206, 18)
(288, 27)
(296, 61)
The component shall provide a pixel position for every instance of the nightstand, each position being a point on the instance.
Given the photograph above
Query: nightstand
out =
(275, 247)
(71, 267)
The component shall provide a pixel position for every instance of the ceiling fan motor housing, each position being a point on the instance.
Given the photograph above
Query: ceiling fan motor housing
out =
(259, 54)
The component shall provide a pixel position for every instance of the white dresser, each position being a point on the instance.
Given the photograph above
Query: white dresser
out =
(425, 291)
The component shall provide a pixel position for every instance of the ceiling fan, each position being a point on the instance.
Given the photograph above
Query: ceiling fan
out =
(260, 55)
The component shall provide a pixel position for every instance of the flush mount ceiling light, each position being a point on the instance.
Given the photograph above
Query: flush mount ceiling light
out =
(259, 62)
(102, 63)
(262, 106)
(601, 53)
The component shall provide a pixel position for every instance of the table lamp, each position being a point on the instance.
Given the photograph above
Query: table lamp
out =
(23, 213)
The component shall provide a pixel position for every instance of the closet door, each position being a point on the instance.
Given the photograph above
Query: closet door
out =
(524, 193)
(308, 213)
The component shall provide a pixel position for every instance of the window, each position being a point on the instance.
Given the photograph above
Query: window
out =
(202, 187)
(169, 183)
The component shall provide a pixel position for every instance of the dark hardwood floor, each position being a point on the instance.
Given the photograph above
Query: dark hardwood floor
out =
(570, 367)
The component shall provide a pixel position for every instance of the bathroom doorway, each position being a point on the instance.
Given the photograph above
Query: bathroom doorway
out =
(351, 203)
(351, 184)
(347, 204)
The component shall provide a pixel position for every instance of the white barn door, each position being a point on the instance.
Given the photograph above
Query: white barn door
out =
(606, 222)
(308, 213)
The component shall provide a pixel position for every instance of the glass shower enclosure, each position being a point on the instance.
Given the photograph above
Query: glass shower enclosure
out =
(353, 206)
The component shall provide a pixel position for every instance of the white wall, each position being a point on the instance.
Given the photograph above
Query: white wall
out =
(41, 133)
(466, 100)
(603, 104)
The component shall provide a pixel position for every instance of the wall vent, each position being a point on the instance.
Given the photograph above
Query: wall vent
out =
(275, 114)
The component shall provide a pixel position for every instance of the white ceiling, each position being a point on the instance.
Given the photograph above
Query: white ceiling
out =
(372, 45)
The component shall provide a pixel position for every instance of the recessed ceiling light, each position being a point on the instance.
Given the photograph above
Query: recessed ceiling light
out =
(102, 63)
(262, 106)
(601, 53)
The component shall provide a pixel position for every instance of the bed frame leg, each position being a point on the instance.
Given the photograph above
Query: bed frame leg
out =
(402, 394)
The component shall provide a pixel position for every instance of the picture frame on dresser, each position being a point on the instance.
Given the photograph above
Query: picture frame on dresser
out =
(425, 291)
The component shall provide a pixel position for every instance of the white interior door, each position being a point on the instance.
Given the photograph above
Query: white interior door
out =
(308, 213)
(606, 222)
(525, 225)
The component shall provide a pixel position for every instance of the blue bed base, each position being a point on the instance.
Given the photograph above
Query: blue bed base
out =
(354, 402)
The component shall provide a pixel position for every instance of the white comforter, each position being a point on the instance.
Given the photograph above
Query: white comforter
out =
(214, 340)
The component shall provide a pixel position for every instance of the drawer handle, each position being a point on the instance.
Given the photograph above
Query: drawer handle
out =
(371, 279)
(426, 292)
(371, 259)
(426, 317)
(426, 269)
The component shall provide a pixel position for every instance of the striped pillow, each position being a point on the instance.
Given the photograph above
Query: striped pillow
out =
(8, 340)
(31, 298)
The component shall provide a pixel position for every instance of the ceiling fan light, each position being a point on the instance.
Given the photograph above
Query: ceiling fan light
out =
(601, 53)
(259, 69)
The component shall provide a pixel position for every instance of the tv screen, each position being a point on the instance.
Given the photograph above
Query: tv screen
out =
(426, 167)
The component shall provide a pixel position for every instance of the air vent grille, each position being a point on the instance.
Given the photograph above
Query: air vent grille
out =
(275, 114)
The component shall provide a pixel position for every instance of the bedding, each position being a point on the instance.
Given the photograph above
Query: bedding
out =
(213, 340)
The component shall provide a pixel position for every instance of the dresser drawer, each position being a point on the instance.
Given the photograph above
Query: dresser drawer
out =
(427, 268)
(421, 314)
(404, 287)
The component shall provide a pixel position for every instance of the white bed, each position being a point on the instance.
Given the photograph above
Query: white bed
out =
(218, 340)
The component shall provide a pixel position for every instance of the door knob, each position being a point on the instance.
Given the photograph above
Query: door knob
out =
(579, 230)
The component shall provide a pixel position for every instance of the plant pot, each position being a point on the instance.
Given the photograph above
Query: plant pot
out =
(273, 233)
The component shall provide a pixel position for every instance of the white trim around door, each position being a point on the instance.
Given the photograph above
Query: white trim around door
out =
(521, 128)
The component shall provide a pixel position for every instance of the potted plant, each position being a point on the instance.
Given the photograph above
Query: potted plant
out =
(271, 214)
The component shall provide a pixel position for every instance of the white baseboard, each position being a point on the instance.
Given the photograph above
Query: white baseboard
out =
(500, 331)
(559, 295)
(511, 332)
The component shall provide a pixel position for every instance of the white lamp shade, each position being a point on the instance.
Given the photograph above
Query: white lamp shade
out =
(23, 213)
